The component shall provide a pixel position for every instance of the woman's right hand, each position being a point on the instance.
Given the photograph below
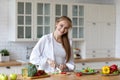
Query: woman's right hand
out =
(51, 63)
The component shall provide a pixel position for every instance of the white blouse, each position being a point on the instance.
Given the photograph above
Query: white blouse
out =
(45, 49)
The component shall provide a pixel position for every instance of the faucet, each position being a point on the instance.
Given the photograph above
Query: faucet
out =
(28, 52)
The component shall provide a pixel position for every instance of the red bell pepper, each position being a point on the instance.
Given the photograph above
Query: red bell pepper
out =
(113, 68)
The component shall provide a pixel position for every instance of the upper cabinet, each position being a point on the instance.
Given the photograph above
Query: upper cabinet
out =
(78, 22)
(20, 20)
(42, 19)
(24, 20)
(99, 13)
(76, 13)
(31, 19)
(61, 10)
(28, 20)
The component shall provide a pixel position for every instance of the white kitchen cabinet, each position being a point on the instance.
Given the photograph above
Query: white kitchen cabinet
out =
(99, 30)
(92, 53)
(108, 35)
(28, 19)
(61, 9)
(78, 21)
(20, 20)
(76, 13)
(95, 65)
(99, 13)
(11, 69)
(92, 35)
(100, 39)
(77, 16)
(42, 18)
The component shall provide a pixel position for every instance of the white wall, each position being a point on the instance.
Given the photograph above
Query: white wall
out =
(18, 50)
(117, 28)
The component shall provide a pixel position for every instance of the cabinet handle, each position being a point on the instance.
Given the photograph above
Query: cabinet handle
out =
(8, 67)
(108, 23)
(94, 23)
(106, 62)
(83, 64)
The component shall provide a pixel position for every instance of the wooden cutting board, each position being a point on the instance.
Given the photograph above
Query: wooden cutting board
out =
(42, 76)
(35, 77)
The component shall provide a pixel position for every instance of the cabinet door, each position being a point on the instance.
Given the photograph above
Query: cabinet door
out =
(78, 21)
(4, 70)
(11, 69)
(43, 19)
(61, 10)
(24, 20)
(108, 35)
(92, 35)
(92, 13)
(99, 13)
(107, 13)
(18, 69)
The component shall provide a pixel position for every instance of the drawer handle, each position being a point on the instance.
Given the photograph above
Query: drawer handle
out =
(83, 64)
(8, 67)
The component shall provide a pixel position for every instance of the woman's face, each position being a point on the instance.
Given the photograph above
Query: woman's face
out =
(62, 27)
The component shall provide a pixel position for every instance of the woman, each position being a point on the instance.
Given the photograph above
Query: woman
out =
(53, 51)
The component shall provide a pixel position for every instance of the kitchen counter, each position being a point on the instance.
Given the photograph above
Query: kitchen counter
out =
(16, 63)
(72, 76)
(10, 63)
(96, 60)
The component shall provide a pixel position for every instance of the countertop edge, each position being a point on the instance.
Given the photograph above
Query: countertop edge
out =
(89, 60)
(10, 63)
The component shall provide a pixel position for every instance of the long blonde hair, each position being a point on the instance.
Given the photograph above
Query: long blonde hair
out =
(65, 40)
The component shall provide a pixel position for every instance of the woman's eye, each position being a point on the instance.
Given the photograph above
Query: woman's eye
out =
(61, 25)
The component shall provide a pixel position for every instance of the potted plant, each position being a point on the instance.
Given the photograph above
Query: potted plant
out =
(4, 55)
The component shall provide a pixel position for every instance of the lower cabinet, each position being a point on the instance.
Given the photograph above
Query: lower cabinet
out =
(11, 69)
(95, 65)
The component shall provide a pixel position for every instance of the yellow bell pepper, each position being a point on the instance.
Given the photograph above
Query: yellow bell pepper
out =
(105, 69)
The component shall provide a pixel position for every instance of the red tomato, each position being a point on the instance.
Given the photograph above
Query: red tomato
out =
(63, 72)
(78, 74)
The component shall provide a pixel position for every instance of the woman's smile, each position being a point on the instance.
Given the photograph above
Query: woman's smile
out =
(62, 27)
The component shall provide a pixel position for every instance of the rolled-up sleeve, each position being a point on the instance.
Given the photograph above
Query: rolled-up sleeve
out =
(37, 57)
